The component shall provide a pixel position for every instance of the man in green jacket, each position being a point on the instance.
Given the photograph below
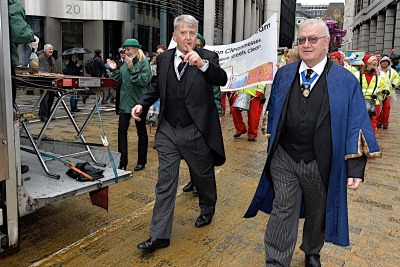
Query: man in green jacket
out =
(20, 33)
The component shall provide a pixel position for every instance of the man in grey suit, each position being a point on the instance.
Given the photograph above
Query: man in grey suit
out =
(189, 127)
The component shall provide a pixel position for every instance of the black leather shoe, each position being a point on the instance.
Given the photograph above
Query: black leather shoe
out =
(313, 260)
(138, 167)
(44, 119)
(153, 244)
(251, 139)
(75, 109)
(203, 220)
(385, 127)
(237, 135)
(122, 166)
(24, 168)
(188, 187)
(194, 191)
(379, 125)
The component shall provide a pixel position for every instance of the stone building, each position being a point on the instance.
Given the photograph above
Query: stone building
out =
(374, 25)
(105, 24)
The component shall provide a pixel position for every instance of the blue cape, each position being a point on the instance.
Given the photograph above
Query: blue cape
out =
(352, 137)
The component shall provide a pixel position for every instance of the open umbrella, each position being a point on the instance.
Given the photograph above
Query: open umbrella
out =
(76, 50)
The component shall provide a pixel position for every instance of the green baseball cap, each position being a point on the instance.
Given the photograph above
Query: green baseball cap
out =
(131, 43)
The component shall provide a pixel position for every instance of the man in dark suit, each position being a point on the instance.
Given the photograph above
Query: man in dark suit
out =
(189, 127)
(201, 42)
(119, 62)
(319, 141)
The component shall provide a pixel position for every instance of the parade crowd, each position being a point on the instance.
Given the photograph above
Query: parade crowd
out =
(322, 116)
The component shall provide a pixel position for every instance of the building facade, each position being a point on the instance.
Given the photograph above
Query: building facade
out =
(286, 14)
(332, 14)
(375, 23)
(312, 11)
(90, 24)
(348, 25)
(105, 24)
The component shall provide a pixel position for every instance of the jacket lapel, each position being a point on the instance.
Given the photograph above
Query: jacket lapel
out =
(325, 101)
(324, 110)
(167, 56)
(284, 88)
(192, 72)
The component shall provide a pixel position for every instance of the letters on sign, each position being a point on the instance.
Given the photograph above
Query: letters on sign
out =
(73, 9)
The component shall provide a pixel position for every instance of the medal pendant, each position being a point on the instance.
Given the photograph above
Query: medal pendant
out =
(306, 92)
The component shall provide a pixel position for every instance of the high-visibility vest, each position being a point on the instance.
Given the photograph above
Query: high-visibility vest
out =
(373, 87)
(391, 78)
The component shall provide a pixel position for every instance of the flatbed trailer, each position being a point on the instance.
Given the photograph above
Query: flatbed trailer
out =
(47, 181)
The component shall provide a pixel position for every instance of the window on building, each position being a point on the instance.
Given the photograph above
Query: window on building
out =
(71, 36)
(144, 37)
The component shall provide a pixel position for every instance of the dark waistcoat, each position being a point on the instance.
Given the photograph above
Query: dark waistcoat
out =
(176, 111)
(301, 119)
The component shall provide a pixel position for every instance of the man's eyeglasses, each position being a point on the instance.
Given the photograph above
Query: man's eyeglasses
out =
(311, 39)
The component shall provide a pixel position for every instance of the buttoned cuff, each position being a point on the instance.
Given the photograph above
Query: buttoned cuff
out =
(206, 65)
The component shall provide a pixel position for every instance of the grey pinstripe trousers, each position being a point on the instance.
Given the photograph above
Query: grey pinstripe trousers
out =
(174, 144)
(292, 182)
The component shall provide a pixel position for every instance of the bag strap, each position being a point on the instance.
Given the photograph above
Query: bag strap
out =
(376, 81)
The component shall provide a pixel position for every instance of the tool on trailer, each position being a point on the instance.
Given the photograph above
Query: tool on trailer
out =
(65, 162)
(105, 142)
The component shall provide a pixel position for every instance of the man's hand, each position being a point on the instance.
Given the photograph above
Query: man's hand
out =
(34, 45)
(193, 58)
(136, 111)
(353, 183)
(112, 64)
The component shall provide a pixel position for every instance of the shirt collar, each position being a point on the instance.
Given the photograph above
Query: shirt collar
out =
(319, 68)
(178, 53)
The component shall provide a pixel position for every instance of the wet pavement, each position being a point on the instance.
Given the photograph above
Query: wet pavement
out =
(75, 233)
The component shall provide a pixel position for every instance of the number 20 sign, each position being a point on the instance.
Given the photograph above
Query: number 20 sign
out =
(73, 9)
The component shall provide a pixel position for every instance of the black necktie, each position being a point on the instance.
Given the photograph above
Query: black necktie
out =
(181, 65)
(309, 73)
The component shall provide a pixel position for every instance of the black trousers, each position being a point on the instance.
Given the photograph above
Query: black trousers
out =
(118, 94)
(143, 140)
(46, 104)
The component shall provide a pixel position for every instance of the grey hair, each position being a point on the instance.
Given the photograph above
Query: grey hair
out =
(186, 19)
(47, 46)
(312, 22)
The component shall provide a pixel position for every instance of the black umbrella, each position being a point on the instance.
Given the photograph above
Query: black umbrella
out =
(76, 50)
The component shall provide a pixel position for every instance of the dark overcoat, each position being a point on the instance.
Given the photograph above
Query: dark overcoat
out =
(351, 137)
(199, 96)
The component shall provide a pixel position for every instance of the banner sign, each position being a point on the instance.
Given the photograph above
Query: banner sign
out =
(251, 63)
